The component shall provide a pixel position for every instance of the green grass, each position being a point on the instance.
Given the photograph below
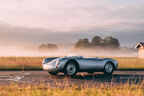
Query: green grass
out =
(34, 63)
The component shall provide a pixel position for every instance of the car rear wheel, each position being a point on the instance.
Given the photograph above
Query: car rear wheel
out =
(71, 69)
(108, 68)
(53, 73)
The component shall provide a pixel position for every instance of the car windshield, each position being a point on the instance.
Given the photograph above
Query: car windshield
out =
(74, 55)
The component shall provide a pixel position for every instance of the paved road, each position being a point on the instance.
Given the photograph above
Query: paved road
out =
(37, 77)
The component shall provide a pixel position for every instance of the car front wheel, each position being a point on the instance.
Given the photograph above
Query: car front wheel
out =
(108, 68)
(71, 69)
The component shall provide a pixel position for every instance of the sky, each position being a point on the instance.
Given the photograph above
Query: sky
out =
(40, 21)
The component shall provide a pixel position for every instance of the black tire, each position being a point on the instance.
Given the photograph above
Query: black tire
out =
(71, 68)
(53, 73)
(90, 72)
(108, 68)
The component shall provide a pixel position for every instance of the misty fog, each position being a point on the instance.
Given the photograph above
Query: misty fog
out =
(64, 50)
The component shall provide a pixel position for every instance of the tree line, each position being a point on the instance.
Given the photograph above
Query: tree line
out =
(96, 42)
(48, 47)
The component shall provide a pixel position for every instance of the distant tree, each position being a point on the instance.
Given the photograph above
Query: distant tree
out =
(42, 46)
(107, 42)
(111, 42)
(96, 41)
(47, 47)
(82, 43)
(51, 46)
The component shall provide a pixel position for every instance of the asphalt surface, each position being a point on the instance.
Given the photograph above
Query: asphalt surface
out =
(85, 79)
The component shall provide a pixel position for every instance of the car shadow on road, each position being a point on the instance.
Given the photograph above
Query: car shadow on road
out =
(117, 78)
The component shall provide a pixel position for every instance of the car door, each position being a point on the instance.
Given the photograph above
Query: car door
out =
(90, 64)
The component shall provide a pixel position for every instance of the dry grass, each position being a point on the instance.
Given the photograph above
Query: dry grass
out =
(21, 63)
(72, 90)
(34, 63)
(45, 90)
(130, 63)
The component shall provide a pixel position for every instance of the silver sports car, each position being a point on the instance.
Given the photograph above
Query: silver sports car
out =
(70, 65)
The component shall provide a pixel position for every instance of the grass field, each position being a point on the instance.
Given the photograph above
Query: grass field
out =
(34, 63)
(21, 63)
(43, 90)
(130, 63)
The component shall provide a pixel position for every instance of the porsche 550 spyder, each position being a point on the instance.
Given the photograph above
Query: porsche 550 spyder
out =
(70, 65)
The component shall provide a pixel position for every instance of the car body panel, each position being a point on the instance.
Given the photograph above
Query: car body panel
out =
(85, 64)
(90, 64)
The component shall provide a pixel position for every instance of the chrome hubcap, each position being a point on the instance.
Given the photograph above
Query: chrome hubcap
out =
(108, 67)
(71, 69)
